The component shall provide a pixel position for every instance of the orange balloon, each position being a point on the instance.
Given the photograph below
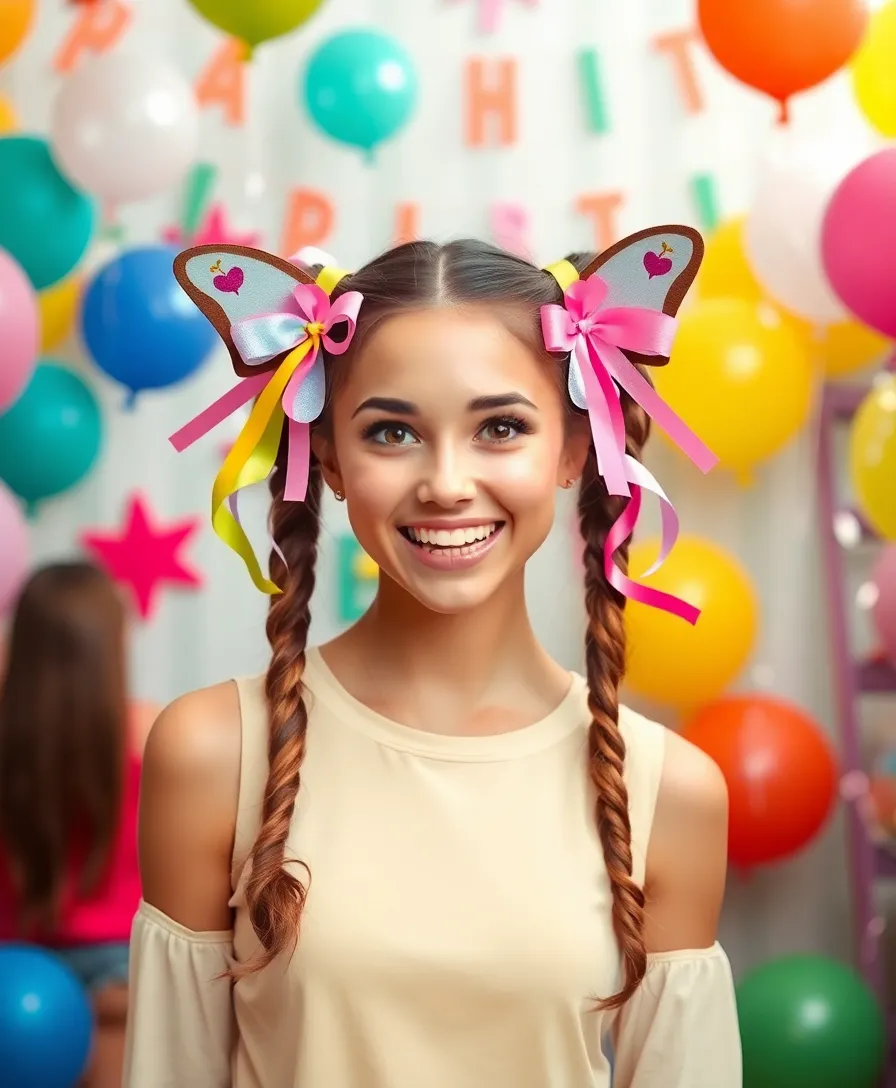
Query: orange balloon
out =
(780, 769)
(782, 46)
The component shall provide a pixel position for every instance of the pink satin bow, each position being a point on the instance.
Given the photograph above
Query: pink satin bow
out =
(260, 339)
(596, 336)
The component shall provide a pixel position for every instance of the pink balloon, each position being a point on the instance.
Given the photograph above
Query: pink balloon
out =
(20, 322)
(14, 549)
(884, 613)
(858, 241)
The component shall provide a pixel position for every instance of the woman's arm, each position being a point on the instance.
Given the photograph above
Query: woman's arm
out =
(680, 1029)
(180, 1022)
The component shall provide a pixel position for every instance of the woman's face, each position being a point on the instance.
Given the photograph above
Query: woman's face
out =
(449, 443)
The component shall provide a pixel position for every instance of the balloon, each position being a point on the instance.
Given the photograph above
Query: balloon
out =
(783, 228)
(671, 662)
(58, 307)
(873, 74)
(8, 120)
(14, 550)
(884, 611)
(140, 326)
(837, 350)
(858, 239)
(16, 18)
(125, 126)
(258, 21)
(46, 1022)
(19, 322)
(809, 1022)
(51, 436)
(44, 222)
(360, 88)
(781, 47)
(780, 770)
(872, 457)
(741, 378)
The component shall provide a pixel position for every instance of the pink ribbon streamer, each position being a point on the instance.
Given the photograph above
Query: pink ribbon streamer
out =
(596, 336)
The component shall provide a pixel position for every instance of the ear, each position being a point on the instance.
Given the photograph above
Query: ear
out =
(230, 283)
(653, 269)
(325, 451)
(575, 449)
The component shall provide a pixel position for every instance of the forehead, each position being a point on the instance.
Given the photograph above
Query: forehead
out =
(447, 355)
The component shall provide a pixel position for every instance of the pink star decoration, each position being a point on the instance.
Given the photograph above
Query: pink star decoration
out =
(213, 230)
(144, 556)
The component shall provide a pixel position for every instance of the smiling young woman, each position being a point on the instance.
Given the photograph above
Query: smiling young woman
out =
(425, 854)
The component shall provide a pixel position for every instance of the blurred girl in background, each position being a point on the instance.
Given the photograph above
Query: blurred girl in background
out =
(71, 748)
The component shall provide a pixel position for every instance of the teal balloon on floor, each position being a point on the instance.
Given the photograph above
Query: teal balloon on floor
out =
(51, 436)
(809, 1022)
(45, 223)
(361, 88)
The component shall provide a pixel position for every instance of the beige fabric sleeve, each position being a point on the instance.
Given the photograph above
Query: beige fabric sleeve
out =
(180, 1013)
(680, 1029)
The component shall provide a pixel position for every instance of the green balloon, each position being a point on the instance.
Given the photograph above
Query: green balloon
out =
(45, 222)
(51, 436)
(256, 21)
(809, 1022)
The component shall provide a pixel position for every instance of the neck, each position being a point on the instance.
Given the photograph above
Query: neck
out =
(411, 657)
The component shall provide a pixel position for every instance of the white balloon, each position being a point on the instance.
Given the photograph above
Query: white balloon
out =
(125, 126)
(782, 233)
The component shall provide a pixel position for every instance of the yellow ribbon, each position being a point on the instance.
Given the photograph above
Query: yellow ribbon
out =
(564, 272)
(251, 458)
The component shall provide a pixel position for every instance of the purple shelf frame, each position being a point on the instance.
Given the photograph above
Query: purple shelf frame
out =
(866, 862)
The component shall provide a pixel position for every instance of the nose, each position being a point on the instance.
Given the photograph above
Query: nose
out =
(446, 479)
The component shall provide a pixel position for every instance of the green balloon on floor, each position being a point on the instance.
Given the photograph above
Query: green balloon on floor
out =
(809, 1022)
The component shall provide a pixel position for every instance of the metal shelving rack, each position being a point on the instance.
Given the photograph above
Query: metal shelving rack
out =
(869, 864)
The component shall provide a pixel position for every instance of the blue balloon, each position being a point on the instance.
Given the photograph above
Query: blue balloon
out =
(360, 88)
(50, 437)
(46, 1021)
(45, 223)
(140, 326)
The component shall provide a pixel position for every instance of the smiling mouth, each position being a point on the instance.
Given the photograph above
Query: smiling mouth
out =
(452, 542)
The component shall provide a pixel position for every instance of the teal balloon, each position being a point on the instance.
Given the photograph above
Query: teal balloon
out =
(361, 88)
(809, 1022)
(45, 222)
(51, 436)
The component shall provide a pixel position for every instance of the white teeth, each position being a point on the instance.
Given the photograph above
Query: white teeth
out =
(452, 538)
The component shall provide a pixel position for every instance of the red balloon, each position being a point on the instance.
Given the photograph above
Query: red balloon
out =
(781, 772)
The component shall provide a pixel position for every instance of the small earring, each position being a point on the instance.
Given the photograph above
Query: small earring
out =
(339, 496)
(568, 484)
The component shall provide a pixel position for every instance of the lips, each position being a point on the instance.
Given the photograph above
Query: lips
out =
(423, 544)
(440, 537)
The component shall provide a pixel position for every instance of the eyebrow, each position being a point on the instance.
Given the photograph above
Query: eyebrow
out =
(478, 404)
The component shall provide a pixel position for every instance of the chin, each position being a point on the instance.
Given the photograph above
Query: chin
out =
(452, 599)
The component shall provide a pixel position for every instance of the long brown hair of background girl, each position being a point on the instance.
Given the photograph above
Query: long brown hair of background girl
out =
(417, 275)
(62, 735)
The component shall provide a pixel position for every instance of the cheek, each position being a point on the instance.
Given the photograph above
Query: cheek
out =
(529, 477)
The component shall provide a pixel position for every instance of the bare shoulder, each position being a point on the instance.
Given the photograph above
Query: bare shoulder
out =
(188, 807)
(688, 849)
(198, 736)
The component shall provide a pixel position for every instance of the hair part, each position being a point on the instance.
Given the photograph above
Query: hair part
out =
(415, 276)
(63, 712)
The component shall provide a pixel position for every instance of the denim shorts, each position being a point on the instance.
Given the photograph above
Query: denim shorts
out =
(97, 965)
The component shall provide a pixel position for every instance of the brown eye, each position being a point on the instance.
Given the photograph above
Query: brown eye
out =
(394, 436)
(504, 429)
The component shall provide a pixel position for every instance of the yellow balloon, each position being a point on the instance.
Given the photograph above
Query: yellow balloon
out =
(872, 457)
(671, 662)
(873, 70)
(16, 17)
(845, 348)
(740, 378)
(8, 120)
(724, 272)
(58, 307)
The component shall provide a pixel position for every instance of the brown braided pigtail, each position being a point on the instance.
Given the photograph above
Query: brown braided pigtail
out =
(605, 667)
(275, 896)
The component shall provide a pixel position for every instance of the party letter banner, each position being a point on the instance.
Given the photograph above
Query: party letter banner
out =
(676, 44)
(491, 95)
(96, 29)
(310, 217)
(602, 209)
(222, 82)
